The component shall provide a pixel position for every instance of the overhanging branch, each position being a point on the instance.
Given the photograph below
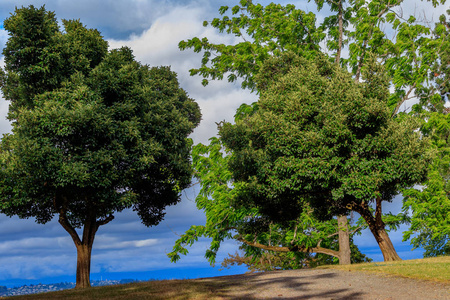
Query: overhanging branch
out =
(68, 227)
(105, 221)
(295, 249)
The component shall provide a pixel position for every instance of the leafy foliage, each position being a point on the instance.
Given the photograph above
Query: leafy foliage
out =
(224, 220)
(414, 57)
(407, 48)
(265, 30)
(306, 145)
(430, 205)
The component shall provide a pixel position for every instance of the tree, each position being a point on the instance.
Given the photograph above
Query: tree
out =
(404, 44)
(323, 139)
(415, 57)
(94, 131)
(273, 30)
(288, 245)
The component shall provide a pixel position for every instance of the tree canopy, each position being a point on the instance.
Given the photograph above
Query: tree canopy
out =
(94, 131)
(412, 50)
(266, 31)
(323, 139)
(302, 242)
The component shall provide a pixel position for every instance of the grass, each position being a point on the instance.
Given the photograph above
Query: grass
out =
(434, 269)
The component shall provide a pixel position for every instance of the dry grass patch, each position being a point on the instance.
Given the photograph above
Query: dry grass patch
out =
(435, 268)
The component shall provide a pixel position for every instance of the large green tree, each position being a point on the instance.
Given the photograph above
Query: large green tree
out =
(302, 242)
(408, 47)
(94, 131)
(273, 29)
(415, 55)
(322, 139)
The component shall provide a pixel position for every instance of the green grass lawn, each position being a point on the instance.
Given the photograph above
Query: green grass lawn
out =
(435, 268)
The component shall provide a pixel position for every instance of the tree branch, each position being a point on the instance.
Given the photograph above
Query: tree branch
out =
(105, 221)
(378, 213)
(295, 235)
(295, 249)
(355, 230)
(62, 210)
(397, 108)
(68, 227)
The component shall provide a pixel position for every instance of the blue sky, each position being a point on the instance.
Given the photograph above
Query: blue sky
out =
(33, 253)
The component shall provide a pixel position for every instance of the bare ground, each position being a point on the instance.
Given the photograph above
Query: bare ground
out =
(323, 284)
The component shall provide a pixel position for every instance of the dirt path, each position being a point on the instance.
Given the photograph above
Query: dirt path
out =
(323, 284)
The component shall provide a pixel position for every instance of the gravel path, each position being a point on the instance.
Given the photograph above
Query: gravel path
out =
(325, 284)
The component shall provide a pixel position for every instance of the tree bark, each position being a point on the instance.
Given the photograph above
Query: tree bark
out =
(377, 227)
(83, 265)
(385, 244)
(84, 249)
(344, 241)
(84, 244)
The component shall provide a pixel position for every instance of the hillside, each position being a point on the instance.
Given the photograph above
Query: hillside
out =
(414, 279)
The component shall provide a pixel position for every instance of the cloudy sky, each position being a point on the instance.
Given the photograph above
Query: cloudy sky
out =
(32, 253)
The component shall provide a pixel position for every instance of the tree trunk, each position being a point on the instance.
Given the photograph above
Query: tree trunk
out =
(377, 227)
(84, 249)
(84, 245)
(344, 235)
(344, 241)
(385, 244)
(341, 31)
(83, 265)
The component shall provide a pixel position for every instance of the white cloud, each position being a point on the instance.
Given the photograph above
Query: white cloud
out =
(35, 243)
(222, 107)
(27, 267)
(124, 245)
(107, 242)
(5, 125)
(158, 45)
(3, 38)
(115, 18)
